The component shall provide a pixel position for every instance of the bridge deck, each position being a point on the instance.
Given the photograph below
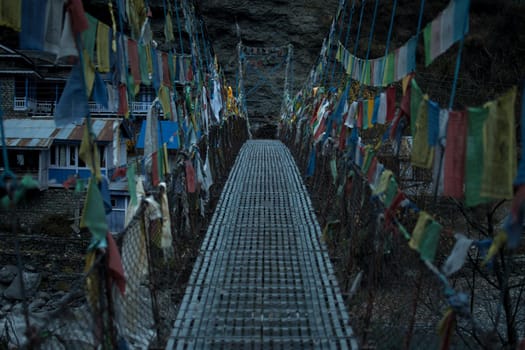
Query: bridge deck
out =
(263, 280)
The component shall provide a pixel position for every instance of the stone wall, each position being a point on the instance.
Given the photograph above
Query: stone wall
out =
(45, 211)
(7, 99)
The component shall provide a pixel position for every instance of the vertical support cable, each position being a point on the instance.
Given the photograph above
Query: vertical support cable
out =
(337, 42)
(458, 62)
(391, 27)
(420, 19)
(451, 100)
(179, 27)
(356, 45)
(370, 38)
(205, 48)
(347, 36)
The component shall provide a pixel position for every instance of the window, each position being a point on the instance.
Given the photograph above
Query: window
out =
(53, 157)
(62, 156)
(102, 153)
(72, 156)
(81, 163)
(66, 156)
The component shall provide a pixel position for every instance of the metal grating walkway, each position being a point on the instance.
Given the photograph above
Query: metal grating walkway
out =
(263, 280)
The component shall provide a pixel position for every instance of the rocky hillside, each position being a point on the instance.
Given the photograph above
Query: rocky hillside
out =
(272, 23)
(491, 61)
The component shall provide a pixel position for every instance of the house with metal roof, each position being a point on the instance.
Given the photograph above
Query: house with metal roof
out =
(30, 85)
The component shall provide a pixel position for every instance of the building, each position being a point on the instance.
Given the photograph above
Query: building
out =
(30, 86)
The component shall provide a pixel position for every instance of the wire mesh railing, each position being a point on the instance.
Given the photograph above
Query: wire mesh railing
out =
(394, 300)
(126, 295)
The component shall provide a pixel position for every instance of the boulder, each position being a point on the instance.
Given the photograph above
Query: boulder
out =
(31, 282)
(8, 274)
(37, 304)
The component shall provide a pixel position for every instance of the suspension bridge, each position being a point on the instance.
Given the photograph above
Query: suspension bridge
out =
(263, 279)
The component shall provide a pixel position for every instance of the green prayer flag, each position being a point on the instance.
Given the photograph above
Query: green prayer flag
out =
(391, 191)
(428, 247)
(425, 236)
(422, 154)
(145, 72)
(89, 36)
(333, 169)
(389, 72)
(427, 38)
(94, 216)
(132, 189)
(365, 74)
(415, 101)
(499, 156)
(79, 186)
(474, 158)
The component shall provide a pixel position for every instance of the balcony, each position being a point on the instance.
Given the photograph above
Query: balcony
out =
(41, 108)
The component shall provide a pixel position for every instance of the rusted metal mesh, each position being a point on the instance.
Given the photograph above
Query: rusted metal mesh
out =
(92, 312)
(394, 300)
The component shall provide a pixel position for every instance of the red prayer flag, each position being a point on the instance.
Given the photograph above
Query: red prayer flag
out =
(189, 75)
(405, 101)
(119, 172)
(372, 170)
(314, 114)
(190, 177)
(155, 179)
(133, 57)
(71, 181)
(165, 70)
(390, 103)
(79, 22)
(455, 153)
(114, 261)
(360, 114)
(342, 137)
(390, 212)
(123, 108)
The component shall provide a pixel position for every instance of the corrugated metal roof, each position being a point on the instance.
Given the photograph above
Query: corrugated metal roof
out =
(40, 133)
(167, 131)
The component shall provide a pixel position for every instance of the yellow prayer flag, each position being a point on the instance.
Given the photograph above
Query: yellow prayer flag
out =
(164, 99)
(88, 152)
(11, 14)
(370, 113)
(422, 154)
(103, 47)
(89, 73)
(500, 151)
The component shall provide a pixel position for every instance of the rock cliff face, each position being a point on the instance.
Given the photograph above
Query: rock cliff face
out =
(492, 59)
(271, 23)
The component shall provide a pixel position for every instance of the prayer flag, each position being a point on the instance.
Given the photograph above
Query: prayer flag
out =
(94, 217)
(89, 36)
(389, 69)
(455, 151)
(53, 25)
(422, 154)
(73, 103)
(416, 97)
(33, 24)
(11, 14)
(425, 236)
(88, 152)
(474, 157)
(447, 28)
(133, 59)
(103, 47)
(405, 57)
(499, 155)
